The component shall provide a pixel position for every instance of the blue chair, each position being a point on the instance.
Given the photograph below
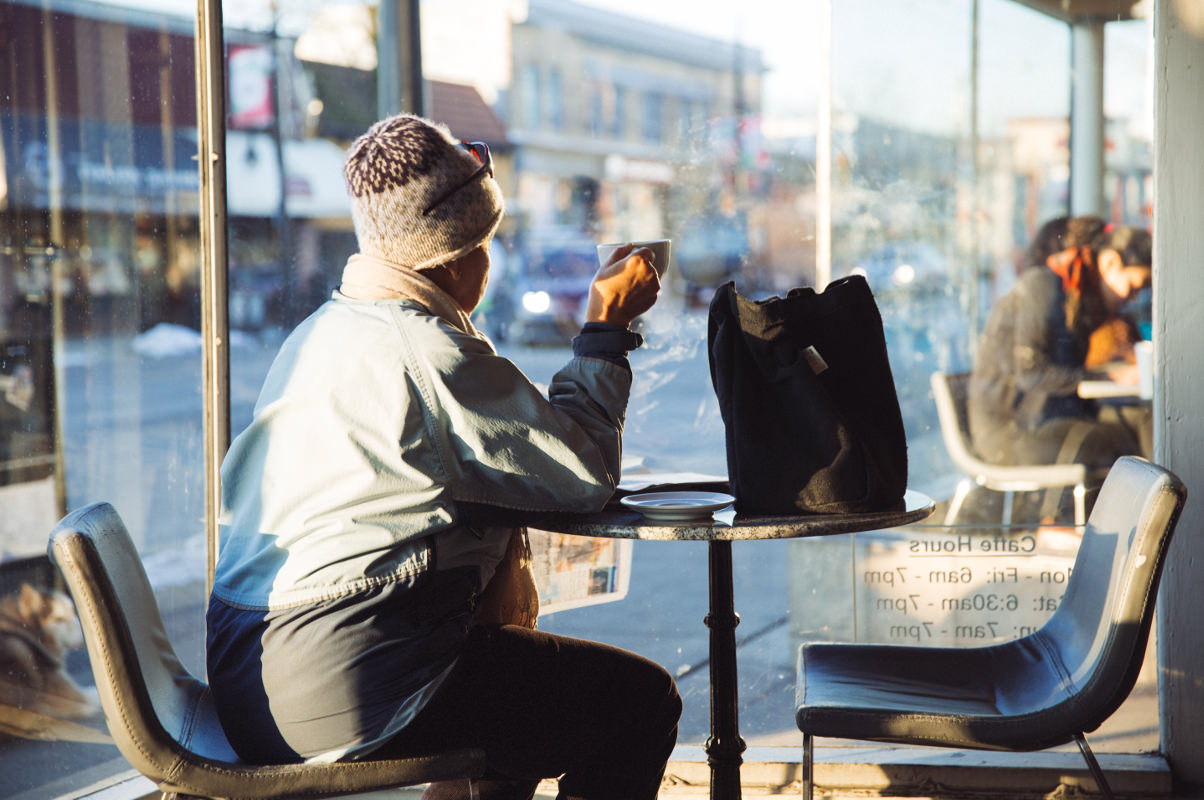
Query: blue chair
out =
(1042, 690)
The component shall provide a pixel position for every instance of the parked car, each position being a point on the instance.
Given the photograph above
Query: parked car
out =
(711, 250)
(256, 294)
(910, 265)
(536, 293)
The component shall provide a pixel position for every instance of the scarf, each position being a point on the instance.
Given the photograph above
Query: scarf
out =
(1070, 272)
(371, 278)
(1084, 305)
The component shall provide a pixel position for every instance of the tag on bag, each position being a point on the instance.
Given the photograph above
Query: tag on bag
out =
(814, 359)
(810, 411)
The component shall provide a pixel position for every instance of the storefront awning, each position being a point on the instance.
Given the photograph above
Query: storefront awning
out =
(117, 167)
(97, 165)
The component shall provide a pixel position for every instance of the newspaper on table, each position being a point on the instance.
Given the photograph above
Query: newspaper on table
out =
(576, 571)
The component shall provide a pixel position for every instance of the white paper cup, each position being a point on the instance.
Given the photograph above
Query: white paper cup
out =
(660, 253)
(1145, 368)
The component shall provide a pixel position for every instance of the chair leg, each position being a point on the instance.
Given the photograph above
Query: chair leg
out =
(1080, 504)
(808, 766)
(1093, 766)
(959, 497)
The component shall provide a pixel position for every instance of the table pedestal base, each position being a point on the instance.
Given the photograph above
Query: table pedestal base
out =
(724, 748)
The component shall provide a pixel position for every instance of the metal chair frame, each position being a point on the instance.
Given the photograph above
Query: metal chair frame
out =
(949, 392)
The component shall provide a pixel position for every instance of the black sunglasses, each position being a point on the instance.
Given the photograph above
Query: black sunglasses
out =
(480, 151)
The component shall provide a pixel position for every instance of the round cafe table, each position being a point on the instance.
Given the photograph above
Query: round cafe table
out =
(724, 748)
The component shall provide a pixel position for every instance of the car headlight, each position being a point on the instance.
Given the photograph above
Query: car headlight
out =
(537, 302)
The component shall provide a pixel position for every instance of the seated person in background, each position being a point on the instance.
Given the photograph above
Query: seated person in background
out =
(1056, 246)
(351, 614)
(1023, 401)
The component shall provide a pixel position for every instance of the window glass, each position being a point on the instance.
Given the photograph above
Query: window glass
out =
(608, 120)
(1128, 74)
(650, 117)
(942, 171)
(554, 99)
(619, 113)
(528, 95)
(100, 366)
(597, 106)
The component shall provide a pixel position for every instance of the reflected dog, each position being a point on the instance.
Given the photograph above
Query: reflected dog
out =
(37, 629)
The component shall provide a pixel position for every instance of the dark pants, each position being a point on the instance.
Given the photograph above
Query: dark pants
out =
(543, 706)
(1096, 442)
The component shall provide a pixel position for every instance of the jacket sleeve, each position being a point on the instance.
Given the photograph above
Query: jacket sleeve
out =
(503, 443)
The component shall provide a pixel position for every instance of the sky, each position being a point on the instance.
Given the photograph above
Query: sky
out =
(903, 61)
(786, 33)
(908, 58)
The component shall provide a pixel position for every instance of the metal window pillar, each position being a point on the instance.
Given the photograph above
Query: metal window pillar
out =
(215, 355)
(1087, 117)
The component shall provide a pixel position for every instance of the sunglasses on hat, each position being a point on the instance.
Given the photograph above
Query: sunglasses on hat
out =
(479, 151)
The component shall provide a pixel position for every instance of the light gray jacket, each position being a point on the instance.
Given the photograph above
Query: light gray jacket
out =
(374, 420)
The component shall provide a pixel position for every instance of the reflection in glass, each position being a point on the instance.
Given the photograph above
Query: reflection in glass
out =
(100, 365)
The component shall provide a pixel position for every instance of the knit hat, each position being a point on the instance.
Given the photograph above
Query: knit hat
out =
(396, 174)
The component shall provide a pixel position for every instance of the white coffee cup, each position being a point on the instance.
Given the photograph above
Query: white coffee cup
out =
(660, 253)
(1145, 368)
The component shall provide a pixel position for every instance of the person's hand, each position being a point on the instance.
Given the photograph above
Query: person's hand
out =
(625, 287)
(1124, 373)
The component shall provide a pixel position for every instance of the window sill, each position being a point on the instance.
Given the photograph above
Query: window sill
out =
(932, 772)
(775, 771)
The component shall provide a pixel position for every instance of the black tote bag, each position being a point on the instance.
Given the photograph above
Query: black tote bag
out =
(808, 401)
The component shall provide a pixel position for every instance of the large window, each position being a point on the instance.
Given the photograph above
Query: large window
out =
(946, 147)
(99, 321)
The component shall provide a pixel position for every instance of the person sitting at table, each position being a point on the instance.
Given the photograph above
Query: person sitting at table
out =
(1023, 403)
(1056, 246)
(353, 612)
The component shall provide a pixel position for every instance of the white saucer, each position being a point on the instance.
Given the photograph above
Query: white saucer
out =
(677, 506)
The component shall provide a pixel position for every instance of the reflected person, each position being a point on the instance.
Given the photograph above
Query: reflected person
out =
(351, 614)
(1023, 398)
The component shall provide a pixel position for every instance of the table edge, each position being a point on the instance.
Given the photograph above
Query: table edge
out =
(629, 524)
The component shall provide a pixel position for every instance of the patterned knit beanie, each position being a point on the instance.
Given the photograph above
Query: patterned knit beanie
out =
(396, 174)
